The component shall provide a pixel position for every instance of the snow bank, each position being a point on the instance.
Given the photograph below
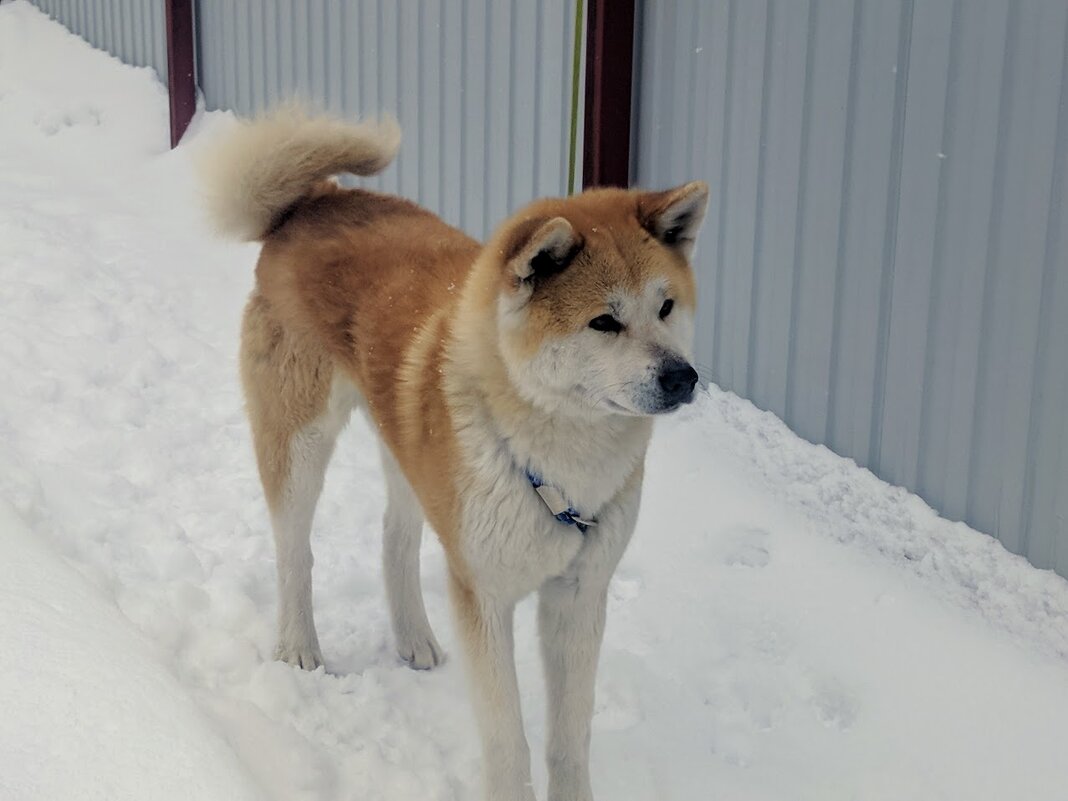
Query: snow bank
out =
(77, 104)
(785, 625)
(88, 710)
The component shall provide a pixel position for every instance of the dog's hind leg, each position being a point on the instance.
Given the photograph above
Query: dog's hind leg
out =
(310, 449)
(402, 531)
(297, 409)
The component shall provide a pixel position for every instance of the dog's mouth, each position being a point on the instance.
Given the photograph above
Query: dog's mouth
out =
(619, 408)
(674, 406)
(615, 407)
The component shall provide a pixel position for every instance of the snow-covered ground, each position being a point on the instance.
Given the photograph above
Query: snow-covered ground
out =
(785, 626)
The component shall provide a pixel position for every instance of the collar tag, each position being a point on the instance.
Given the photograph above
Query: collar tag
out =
(553, 498)
(558, 504)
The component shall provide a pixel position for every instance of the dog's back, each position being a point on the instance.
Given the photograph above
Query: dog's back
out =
(347, 282)
(331, 256)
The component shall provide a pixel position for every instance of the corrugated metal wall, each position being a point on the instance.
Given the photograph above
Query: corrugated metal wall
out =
(885, 262)
(132, 30)
(482, 88)
(884, 265)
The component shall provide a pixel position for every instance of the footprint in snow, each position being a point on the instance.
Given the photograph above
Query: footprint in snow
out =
(625, 587)
(57, 121)
(746, 547)
(834, 705)
(617, 707)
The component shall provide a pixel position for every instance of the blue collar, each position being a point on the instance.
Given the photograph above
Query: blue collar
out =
(560, 507)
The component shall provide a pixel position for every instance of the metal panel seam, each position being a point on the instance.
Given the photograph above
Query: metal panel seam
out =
(893, 202)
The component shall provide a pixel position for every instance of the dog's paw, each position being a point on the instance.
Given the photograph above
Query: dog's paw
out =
(420, 651)
(306, 657)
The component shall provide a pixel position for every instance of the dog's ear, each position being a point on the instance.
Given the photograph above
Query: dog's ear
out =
(538, 248)
(674, 216)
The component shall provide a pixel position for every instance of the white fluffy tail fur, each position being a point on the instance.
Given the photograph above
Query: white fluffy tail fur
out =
(269, 163)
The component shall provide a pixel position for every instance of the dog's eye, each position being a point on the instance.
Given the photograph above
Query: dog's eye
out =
(606, 323)
(665, 310)
(671, 235)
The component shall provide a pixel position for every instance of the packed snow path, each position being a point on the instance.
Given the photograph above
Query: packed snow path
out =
(784, 626)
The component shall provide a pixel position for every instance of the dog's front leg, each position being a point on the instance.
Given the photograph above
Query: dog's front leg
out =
(571, 620)
(486, 624)
(571, 617)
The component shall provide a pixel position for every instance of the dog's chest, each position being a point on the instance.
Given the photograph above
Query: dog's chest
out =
(511, 538)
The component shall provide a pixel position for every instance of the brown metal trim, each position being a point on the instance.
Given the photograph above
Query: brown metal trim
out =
(181, 77)
(609, 77)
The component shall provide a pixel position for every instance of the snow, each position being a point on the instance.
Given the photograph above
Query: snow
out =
(785, 625)
(116, 719)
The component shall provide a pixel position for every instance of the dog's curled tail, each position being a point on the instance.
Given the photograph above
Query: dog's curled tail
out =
(262, 169)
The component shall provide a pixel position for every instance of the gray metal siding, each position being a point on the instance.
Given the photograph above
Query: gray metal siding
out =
(482, 88)
(131, 30)
(885, 263)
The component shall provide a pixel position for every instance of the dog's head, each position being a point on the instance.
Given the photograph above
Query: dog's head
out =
(596, 300)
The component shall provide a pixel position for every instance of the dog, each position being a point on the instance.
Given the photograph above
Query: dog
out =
(512, 386)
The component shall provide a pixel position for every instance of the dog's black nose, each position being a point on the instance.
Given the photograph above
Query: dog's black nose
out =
(677, 380)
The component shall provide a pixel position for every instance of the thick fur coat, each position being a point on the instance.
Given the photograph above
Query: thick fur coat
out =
(539, 357)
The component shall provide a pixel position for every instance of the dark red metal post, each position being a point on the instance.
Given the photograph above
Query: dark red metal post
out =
(181, 80)
(609, 75)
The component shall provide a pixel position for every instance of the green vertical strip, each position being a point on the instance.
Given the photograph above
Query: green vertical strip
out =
(576, 68)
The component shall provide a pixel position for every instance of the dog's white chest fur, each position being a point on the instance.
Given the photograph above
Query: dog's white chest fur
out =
(511, 537)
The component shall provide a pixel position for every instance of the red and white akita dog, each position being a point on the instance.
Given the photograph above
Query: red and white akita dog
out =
(512, 386)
